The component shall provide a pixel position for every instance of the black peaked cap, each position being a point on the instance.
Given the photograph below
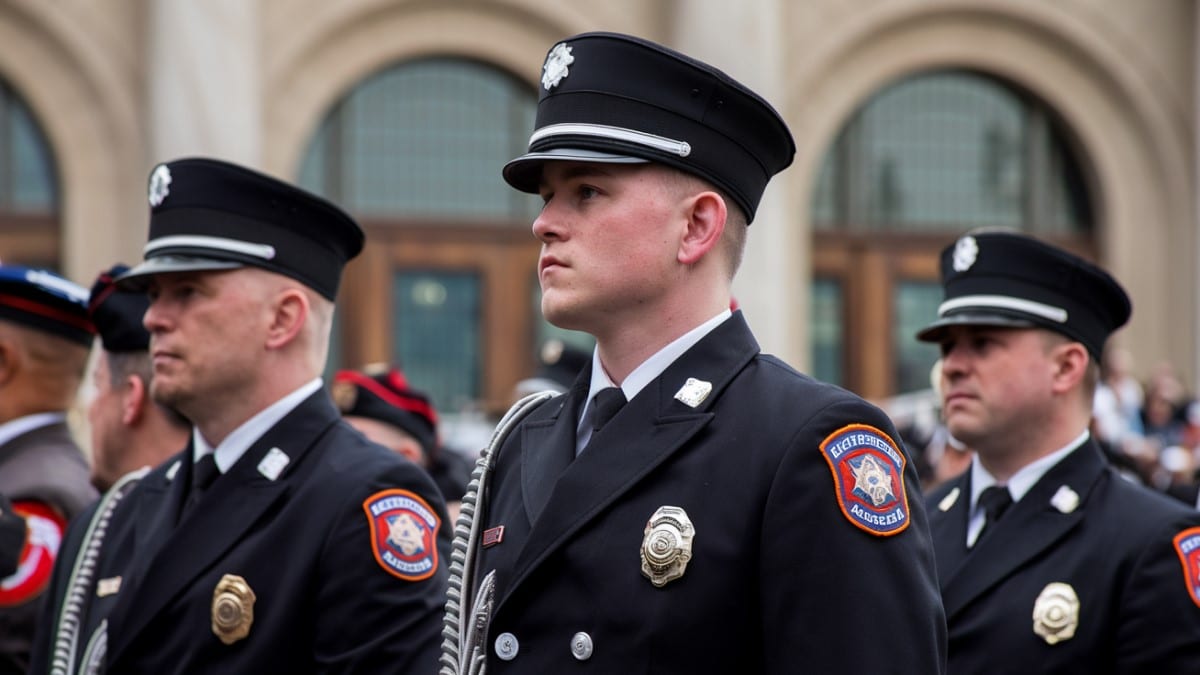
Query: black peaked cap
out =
(1009, 279)
(117, 313)
(207, 214)
(610, 97)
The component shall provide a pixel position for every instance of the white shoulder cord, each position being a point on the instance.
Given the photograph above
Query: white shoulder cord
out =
(79, 587)
(463, 649)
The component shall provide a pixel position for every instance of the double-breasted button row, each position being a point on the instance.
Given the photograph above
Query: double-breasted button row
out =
(507, 646)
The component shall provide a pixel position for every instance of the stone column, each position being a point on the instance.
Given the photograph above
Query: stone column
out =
(203, 71)
(745, 39)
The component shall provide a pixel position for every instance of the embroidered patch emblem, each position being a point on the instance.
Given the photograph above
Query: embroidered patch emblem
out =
(868, 475)
(1187, 545)
(44, 529)
(403, 533)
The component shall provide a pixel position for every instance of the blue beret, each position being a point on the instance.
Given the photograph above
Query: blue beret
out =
(206, 214)
(43, 300)
(1009, 279)
(607, 97)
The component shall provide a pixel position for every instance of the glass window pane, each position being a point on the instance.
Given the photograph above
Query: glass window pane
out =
(437, 329)
(951, 150)
(426, 139)
(827, 330)
(27, 172)
(916, 305)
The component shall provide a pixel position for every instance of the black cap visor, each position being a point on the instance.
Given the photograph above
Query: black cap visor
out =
(139, 277)
(935, 331)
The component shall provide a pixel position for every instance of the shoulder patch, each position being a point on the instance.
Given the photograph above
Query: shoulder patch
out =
(44, 533)
(1187, 545)
(403, 533)
(868, 478)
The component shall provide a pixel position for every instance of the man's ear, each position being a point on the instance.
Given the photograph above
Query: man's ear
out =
(1071, 362)
(291, 311)
(705, 213)
(134, 400)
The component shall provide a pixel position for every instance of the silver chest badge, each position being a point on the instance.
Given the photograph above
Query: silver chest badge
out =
(965, 252)
(1056, 613)
(667, 545)
(555, 68)
(160, 184)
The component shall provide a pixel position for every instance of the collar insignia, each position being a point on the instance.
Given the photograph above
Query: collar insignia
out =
(1065, 500)
(693, 392)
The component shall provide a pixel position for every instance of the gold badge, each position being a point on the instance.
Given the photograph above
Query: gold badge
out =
(232, 609)
(667, 545)
(1056, 613)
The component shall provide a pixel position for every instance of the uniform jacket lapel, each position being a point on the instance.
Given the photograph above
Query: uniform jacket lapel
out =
(948, 527)
(177, 553)
(647, 431)
(1030, 527)
(548, 447)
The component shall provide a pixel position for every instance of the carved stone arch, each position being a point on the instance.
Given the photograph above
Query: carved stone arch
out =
(88, 108)
(1135, 143)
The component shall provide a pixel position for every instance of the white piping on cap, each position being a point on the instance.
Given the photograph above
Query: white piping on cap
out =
(1057, 314)
(681, 148)
(264, 251)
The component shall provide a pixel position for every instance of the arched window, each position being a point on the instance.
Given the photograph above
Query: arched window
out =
(28, 187)
(415, 152)
(925, 159)
(425, 140)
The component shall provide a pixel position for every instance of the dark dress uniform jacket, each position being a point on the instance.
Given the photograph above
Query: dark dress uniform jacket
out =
(779, 581)
(1115, 549)
(43, 465)
(301, 542)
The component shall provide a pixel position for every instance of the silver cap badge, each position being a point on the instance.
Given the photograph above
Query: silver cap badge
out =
(160, 182)
(555, 68)
(667, 545)
(965, 252)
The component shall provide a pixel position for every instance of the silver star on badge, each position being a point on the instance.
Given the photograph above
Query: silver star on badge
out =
(160, 182)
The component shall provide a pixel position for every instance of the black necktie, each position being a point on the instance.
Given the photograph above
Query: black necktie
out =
(605, 404)
(995, 500)
(204, 472)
